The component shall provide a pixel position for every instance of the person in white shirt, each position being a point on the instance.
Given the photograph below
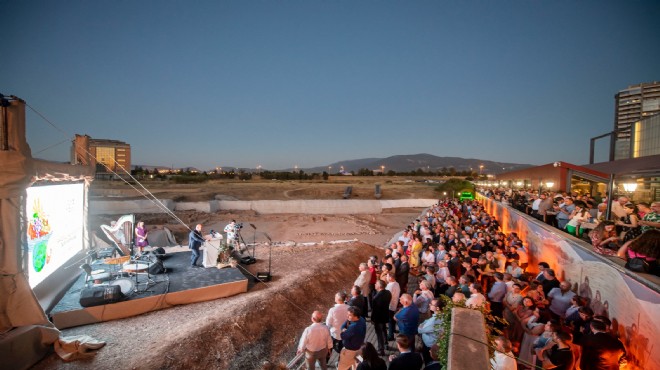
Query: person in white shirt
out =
(504, 359)
(476, 298)
(395, 290)
(337, 315)
(230, 229)
(315, 342)
(363, 279)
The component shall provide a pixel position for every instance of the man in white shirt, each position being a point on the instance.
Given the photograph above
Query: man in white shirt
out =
(230, 229)
(476, 298)
(618, 211)
(315, 342)
(363, 279)
(503, 359)
(337, 315)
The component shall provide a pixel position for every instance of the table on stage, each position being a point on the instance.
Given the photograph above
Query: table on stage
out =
(211, 248)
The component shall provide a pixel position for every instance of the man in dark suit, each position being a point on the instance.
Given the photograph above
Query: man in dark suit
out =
(380, 314)
(406, 360)
(601, 350)
(358, 300)
(195, 240)
(402, 274)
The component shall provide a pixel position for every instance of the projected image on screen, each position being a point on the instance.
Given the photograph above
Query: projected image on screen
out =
(54, 227)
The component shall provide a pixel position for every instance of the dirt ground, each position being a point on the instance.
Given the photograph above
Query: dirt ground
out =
(243, 331)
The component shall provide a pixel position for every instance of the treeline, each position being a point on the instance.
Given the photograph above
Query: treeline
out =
(187, 176)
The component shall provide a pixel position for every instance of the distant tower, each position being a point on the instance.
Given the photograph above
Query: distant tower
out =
(632, 105)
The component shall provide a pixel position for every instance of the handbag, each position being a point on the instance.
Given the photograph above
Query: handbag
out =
(638, 264)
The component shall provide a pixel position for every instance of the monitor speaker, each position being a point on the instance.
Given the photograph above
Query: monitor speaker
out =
(263, 276)
(99, 295)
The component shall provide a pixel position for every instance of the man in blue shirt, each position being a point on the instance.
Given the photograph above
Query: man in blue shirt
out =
(429, 329)
(353, 333)
(407, 319)
(496, 294)
(564, 213)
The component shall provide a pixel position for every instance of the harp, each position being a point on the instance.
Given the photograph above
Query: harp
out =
(121, 234)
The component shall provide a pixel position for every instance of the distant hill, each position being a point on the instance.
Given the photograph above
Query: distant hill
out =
(399, 163)
(426, 162)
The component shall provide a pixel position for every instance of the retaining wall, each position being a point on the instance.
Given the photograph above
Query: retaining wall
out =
(329, 206)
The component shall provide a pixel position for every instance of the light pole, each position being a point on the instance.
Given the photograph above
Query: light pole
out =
(481, 167)
(382, 170)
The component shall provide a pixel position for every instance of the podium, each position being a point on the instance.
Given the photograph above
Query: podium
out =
(211, 248)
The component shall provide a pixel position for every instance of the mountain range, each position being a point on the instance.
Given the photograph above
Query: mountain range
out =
(426, 162)
(398, 163)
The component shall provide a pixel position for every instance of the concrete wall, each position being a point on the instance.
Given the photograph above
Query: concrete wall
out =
(630, 300)
(121, 207)
(330, 206)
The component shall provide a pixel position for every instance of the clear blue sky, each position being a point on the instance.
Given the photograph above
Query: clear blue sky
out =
(308, 83)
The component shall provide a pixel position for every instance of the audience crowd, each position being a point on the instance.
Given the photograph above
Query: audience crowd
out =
(457, 250)
(585, 216)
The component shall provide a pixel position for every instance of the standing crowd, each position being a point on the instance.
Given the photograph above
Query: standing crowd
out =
(459, 251)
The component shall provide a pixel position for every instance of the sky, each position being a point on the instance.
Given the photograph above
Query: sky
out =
(279, 84)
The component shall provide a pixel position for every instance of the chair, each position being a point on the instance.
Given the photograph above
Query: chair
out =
(96, 275)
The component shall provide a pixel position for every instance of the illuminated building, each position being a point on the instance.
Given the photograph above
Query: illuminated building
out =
(106, 155)
(633, 105)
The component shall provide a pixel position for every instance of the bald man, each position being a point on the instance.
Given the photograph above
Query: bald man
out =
(195, 240)
(315, 342)
(407, 318)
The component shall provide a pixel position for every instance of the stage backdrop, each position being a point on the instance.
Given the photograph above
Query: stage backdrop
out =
(54, 227)
(630, 303)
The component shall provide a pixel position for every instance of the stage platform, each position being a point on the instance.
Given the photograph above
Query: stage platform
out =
(179, 284)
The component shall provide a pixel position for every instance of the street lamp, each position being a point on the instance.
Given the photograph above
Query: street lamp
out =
(481, 167)
(630, 188)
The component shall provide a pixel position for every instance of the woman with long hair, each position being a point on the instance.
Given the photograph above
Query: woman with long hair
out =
(604, 239)
(629, 224)
(370, 359)
(579, 215)
(646, 246)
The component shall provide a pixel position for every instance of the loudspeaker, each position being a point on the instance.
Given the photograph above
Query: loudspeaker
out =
(263, 276)
(160, 251)
(247, 260)
(156, 267)
(98, 295)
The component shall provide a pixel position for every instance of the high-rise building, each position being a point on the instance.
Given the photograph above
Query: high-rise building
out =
(106, 155)
(631, 106)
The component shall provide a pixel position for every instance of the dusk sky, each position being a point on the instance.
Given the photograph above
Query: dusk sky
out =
(309, 83)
